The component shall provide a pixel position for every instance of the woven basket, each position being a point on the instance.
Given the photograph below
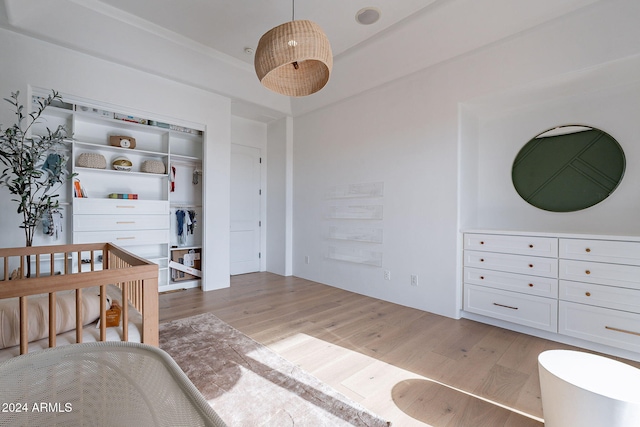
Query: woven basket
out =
(152, 166)
(91, 160)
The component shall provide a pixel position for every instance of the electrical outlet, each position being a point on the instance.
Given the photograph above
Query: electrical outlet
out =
(306, 259)
(414, 280)
(387, 275)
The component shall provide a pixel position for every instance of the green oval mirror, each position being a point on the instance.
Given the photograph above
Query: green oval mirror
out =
(568, 168)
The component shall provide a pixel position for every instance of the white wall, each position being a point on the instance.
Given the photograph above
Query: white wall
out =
(279, 200)
(408, 135)
(608, 98)
(28, 62)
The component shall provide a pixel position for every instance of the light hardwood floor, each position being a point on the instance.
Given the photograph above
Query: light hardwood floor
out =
(411, 367)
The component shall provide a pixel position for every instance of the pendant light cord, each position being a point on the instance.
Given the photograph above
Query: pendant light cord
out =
(293, 10)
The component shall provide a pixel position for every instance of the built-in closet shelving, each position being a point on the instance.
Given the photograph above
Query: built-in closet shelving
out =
(146, 225)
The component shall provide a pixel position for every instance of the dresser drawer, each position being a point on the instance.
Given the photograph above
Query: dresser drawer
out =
(537, 266)
(605, 326)
(523, 245)
(123, 238)
(536, 312)
(120, 222)
(600, 295)
(627, 276)
(532, 285)
(601, 251)
(120, 207)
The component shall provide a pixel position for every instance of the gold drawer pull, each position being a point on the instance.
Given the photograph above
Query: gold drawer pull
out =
(624, 331)
(587, 271)
(588, 294)
(125, 206)
(125, 222)
(587, 250)
(505, 306)
(125, 238)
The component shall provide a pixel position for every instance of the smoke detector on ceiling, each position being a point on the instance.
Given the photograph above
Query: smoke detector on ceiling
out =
(368, 15)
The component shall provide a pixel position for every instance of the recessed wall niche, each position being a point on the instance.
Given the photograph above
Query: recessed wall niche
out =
(568, 168)
(354, 214)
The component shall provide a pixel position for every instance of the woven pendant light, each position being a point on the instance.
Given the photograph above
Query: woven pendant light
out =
(294, 58)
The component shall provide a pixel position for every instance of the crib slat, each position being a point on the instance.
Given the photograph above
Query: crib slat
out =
(24, 326)
(52, 319)
(125, 313)
(52, 264)
(6, 268)
(78, 315)
(103, 312)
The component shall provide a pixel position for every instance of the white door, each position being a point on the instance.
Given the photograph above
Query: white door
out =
(245, 209)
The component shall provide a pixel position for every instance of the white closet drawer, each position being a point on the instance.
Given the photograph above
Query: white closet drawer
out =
(532, 285)
(523, 245)
(599, 295)
(119, 222)
(627, 276)
(536, 312)
(611, 327)
(123, 238)
(120, 207)
(601, 251)
(537, 266)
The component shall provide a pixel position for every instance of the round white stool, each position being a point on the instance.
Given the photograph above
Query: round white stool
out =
(583, 389)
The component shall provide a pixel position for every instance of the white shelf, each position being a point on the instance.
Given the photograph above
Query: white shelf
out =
(78, 169)
(183, 248)
(120, 150)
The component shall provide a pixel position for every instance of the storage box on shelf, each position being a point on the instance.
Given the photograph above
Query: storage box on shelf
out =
(142, 225)
(185, 264)
(578, 286)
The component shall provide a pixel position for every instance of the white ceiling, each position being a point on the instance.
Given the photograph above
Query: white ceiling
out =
(230, 26)
(202, 42)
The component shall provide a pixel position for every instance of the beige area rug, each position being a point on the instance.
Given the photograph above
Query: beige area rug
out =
(248, 384)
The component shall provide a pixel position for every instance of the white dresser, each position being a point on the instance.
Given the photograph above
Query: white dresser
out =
(124, 222)
(580, 286)
(600, 291)
(512, 278)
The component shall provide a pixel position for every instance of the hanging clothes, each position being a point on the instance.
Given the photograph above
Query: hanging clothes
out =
(172, 179)
(52, 223)
(186, 223)
(180, 217)
(53, 166)
(192, 219)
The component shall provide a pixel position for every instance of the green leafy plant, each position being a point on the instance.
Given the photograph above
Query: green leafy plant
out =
(34, 168)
